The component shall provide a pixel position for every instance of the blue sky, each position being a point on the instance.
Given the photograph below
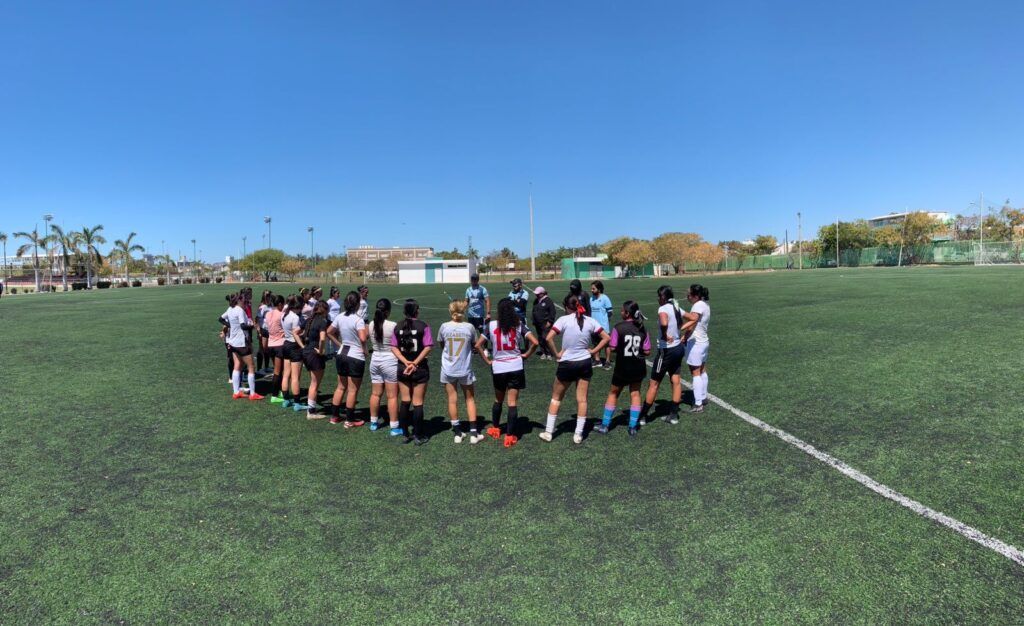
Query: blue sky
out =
(395, 123)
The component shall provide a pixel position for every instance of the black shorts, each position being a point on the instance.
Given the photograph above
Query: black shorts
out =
(349, 367)
(478, 324)
(574, 371)
(291, 352)
(242, 352)
(276, 351)
(314, 362)
(668, 362)
(264, 333)
(627, 374)
(509, 380)
(419, 377)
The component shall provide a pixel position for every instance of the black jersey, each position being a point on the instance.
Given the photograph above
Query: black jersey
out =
(411, 337)
(630, 344)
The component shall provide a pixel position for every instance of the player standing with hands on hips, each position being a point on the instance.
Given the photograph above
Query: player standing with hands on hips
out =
(698, 343)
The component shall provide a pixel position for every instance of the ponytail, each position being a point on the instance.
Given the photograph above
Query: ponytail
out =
(700, 292)
(379, 315)
(573, 306)
(635, 315)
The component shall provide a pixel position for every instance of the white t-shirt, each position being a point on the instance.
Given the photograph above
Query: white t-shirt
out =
(235, 317)
(348, 331)
(364, 307)
(700, 331)
(333, 309)
(261, 316)
(382, 349)
(289, 325)
(576, 340)
(457, 340)
(673, 328)
(507, 357)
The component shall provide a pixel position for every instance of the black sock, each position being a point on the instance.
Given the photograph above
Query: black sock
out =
(231, 365)
(259, 361)
(350, 414)
(336, 410)
(287, 395)
(417, 420)
(496, 414)
(277, 384)
(472, 427)
(675, 409)
(513, 416)
(403, 417)
(646, 409)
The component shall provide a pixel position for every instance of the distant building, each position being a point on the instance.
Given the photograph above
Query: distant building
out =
(897, 218)
(436, 271)
(362, 255)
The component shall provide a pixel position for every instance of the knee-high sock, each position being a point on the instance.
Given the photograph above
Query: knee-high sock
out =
(697, 384)
(551, 423)
(609, 411)
(403, 416)
(236, 380)
(277, 384)
(496, 414)
(634, 415)
(417, 420)
(252, 382)
(581, 423)
(513, 417)
(704, 388)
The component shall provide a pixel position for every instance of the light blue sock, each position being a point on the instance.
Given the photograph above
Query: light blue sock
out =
(634, 416)
(609, 410)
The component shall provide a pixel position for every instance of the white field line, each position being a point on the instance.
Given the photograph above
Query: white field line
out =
(1000, 547)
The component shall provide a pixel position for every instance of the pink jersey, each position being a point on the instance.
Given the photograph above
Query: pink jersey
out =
(273, 321)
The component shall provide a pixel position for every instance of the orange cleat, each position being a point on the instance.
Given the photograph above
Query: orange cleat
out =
(511, 440)
(255, 396)
(238, 396)
(494, 432)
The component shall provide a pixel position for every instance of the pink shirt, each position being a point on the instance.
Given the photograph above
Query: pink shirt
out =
(273, 319)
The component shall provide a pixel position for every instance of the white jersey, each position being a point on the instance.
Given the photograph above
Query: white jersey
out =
(507, 357)
(333, 308)
(673, 327)
(457, 340)
(576, 340)
(261, 316)
(290, 324)
(348, 327)
(235, 317)
(700, 331)
(364, 308)
(382, 349)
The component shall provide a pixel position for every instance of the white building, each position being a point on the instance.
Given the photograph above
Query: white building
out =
(436, 271)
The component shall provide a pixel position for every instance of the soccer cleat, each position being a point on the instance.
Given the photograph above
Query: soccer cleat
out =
(697, 408)
(673, 419)
(475, 438)
(313, 414)
(601, 428)
(286, 404)
(419, 441)
(395, 432)
(459, 435)
(335, 420)
(237, 396)
(375, 426)
(276, 399)
(354, 423)
(642, 422)
(632, 431)
(546, 436)
(255, 396)
(298, 407)
(577, 438)
(494, 432)
(511, 440)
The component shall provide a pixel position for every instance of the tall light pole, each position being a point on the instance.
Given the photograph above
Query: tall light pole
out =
(270, 237)
(193, 258)
(312, 255)
(243, 246)
(48, 218)
(533, 257)
(800, 239)
(837, 244)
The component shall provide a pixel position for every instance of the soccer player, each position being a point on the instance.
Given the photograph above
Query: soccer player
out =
(479, 302)
(671, 350)
(411, 344)
(507, 371)
(631, 345)
(333, 311)
(698, 343)
(364, 305)
(275, 344)
(348, 332)
(574, 364)
(520, 297)
(305, 307)
(601, 309)
(544, 315)
(237, 324)
(264, 358)
(291, 354)
(383, 367)
(311, 340)
(458, 340)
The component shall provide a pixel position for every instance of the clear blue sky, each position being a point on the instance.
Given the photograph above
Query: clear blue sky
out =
(395, 123)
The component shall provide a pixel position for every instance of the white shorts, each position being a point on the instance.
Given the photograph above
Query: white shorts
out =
(464, 381)
(696, 353)
(383, 371)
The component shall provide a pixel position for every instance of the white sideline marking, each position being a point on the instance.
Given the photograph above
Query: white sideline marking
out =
(1003, 548)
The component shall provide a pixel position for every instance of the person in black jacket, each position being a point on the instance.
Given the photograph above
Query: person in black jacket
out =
(544, 315)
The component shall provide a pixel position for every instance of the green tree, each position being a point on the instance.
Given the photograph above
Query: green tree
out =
(68, 242)
(292, 266)
(636, 253)
(675, 248)
(3, 240)
(614, 248)
(450, 255)
(891, 235)
(331, 264)
(855, 235)
(997, 228)
(91, 239)
(267, 261)
(500, 259)
(123, 249)
(765, 244)
(34, 242)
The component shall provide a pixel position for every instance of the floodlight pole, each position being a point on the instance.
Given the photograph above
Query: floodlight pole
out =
(533, 257)
(193, 258)
(800, 239)
(49, 263)
(312, 255)
(837, 244)
(981, 225)
(270, 237)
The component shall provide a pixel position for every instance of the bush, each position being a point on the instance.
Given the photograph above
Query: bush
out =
(188, 281)
(161, 281)
(14, 290)
(103, 284)
(77, 286)
(220, 279)
(204, 280)
(136, 283)
(122, 284)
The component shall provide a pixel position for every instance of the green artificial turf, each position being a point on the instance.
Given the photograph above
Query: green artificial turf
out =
(134, 490)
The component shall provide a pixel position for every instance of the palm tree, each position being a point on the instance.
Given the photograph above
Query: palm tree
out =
(34, 241)
(3, 240)
(90, 238)
(124, 249)
(68, 242)
(168, 263)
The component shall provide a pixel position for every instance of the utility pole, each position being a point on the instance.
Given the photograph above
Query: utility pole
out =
(981, 225)
(837, 244)
(270, 237)
(533, 257)
(787, 247)
(193, 258)
(49, 263)
(800, 239)
(312, 255)
(243, 246)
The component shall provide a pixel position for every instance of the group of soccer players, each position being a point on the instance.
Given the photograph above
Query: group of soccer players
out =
(304, 330)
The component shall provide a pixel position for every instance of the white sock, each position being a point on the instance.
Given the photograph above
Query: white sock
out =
(311, 402)
(581, 423)
(374, 419)
(455, 424)
(698, 384)
(551, 423)
(394, 423)
(252, 382)
(704, 387)
(236, 380)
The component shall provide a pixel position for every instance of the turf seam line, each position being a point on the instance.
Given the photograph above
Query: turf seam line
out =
(1000, 547)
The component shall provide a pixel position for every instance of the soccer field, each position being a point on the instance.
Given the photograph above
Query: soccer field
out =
(132, 488)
